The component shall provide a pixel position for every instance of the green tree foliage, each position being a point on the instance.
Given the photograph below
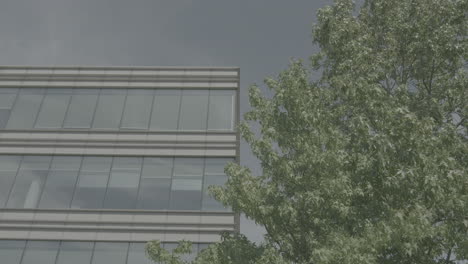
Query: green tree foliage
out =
(369, 163)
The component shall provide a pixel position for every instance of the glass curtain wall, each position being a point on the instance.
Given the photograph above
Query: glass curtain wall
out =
(153, 183)
(73, 252)
(117, 109)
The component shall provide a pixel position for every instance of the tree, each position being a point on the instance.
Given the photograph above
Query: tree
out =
(369, 163)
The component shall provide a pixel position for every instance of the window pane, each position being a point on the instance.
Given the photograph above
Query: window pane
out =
(81, 109)
(11, 251)
(66, 163)
(53, 110)
(25, 110)
(7, 100)
(188, 167)
(157, 167)
(137, 109)
(6, 103)
(40, 252)
(210, 203)
(58, 189)
(165, 110)
(75, 253)
(154, 194)
(136, 254)
(4, 115)
(90, 190)
(29, 182)
(102, 164)
(92, 182)
(194, 110)
(109, 109)
(123, 183)
(186, 194)
(221, 110)
(110, 253)
(8, 169)
(215, 166)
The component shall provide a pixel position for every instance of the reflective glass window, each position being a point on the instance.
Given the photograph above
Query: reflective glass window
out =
(81, 110)
(110, 253)
(11, 251)
(194, 109)
(136, 254)
(60, 183)
(109, 109)
(155, 184)
(191, 167)
(210, 203)
(157, 167)
(123, 183)
(29, 182)
(154, 193)
(40, 252)
(137, 109)
(75, 253)
(165, 110)
(186, 194)
(53, 108)
(214, 175)
(215, 166)
(23, 115)
(7, 99)
(8, 169)
(221, 110)
(92, 182)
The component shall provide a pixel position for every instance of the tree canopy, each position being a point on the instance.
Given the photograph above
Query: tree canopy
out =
(369, 163)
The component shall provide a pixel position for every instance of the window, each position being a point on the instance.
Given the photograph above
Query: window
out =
(75, 253)
(110, 253)
(155, 184)
(109, 109)
(194, 109)
(123, 183)
(8, 168)
(136, 254)
(187, 184)
(165, 113)
(26, 108)
(221, 110)
(81, 110)
(60, 183)
(53, 108)
(137, 109)
(11, 251)
(27, 188)
(40, 252)
(188, 167)
(214, 175)
(92, 182)
(7, 99)
(112, 109)
(186, 194)
(110, 182)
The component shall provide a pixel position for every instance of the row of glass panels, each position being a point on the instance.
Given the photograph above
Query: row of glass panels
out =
(113, 109)
(151, 183)
(69, 252)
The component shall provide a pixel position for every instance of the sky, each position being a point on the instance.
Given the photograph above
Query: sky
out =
(259, 36)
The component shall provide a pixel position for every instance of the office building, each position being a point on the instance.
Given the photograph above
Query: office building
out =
(95, 161)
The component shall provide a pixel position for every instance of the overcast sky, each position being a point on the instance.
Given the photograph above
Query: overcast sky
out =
(259, 36)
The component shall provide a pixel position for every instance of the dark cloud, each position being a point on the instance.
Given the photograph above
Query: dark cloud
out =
(258, 36)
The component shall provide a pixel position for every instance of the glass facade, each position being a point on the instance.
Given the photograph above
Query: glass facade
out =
(117, 109)
(71, 252)
(154, 183)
